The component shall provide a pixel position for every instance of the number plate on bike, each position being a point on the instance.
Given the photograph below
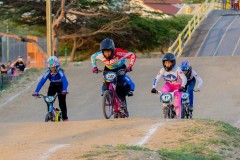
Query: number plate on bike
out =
(185, 96)
(166, 98)
(110, 76)
(49, 99)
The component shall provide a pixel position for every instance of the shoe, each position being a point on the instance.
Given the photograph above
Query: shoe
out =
(130, 93)
(190, 108)
(65, 120)
(123, 104)
(127, 114)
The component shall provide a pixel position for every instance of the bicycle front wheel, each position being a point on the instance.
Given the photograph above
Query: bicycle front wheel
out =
(48, 117)
(183, 111)
(107, 104)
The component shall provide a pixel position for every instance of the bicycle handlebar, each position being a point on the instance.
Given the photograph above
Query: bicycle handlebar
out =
(159, 92)
(41, 95)
(99, 71)
(195, 90)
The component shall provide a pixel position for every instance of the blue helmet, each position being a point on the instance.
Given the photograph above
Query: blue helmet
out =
(185, 65)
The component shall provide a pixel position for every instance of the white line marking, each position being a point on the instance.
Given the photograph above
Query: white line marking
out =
(16, 95)
(236, 47)
(52, 150)
(237, 123)
(149, 134)
(224, 34)
(207, 35)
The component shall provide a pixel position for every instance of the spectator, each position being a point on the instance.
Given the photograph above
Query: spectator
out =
(224, 4)
(19, 64)
(232, 4)
(236, 7)
(10, 69)
(3, 69)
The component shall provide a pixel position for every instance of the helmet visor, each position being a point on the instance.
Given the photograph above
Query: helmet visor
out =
(185, 68)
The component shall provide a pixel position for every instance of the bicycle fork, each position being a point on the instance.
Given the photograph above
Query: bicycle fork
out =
(54, 112)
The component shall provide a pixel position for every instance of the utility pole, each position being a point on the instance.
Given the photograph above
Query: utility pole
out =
(7, 43)
(49, 27)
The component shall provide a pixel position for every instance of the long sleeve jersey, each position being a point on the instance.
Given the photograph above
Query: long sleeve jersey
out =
(197, 77)
(175, 76)
(117, 61)
(59, 79)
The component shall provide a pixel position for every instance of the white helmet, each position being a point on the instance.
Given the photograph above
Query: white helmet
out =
(53, 62)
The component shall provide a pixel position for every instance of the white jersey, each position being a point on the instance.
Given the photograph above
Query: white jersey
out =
(196, 76)
(175, 76)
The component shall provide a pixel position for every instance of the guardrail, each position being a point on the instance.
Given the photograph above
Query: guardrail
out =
(185, 35)
(6, 80)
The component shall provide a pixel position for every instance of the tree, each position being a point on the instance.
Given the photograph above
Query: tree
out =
(87, 19)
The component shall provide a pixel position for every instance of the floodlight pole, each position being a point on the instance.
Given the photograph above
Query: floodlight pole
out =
(49, 27)
(7, 43)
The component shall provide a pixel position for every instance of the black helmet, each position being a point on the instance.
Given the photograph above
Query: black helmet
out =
(108, 44)
(169, 57)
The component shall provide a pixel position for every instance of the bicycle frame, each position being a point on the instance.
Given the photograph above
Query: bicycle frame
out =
(116, 100)
(112, 106)
(55, 112)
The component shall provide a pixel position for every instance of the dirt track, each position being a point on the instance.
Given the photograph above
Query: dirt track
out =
(22, 129)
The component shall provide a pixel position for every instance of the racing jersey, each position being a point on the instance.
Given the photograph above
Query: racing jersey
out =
(58, 79)
(117, 61)
(175, 77)
(195, 75)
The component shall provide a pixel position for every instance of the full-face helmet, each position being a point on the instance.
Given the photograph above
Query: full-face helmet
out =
(185, 65)
(169, 57)
(53, 62)
(108, 44)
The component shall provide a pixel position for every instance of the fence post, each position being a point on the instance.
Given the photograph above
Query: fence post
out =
(1, 82)
(65, 54)
(189, 30)
(180, 44)
(194, 22)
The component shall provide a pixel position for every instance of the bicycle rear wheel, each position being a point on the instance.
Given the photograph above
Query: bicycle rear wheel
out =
(107, 104)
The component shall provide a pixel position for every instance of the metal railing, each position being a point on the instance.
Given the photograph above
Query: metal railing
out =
(185, 35)
(6, 81)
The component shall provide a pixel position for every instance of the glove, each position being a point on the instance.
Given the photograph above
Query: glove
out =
(95, 70)
(128, 69)
(198, 90)
(64, 92)
(154, 90)
(181, 89)
(35, 94)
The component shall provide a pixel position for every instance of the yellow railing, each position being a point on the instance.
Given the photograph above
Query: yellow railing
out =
(185, 35)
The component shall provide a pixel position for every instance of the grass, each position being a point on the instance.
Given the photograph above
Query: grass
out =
(136, 148)
(28, 76)
(180, 155)
(199, 140)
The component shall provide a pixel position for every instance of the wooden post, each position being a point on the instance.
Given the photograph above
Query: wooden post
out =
(49, 27)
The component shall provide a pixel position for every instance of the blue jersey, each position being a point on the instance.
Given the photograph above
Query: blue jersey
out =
(59, 80)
